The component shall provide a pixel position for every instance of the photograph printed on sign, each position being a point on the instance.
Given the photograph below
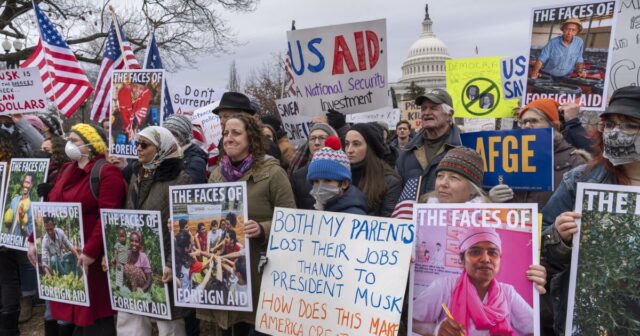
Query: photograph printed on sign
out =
(605, 261)
(59, 240)
(570, 53)
(211, 264)
(451, 243)
(135, 257)
(21, 189)
(136, 102)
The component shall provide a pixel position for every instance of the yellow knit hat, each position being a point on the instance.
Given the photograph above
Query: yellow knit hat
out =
(92, 136)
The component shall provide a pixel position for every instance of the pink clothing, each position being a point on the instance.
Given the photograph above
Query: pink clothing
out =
(143, 262)
(476, 235)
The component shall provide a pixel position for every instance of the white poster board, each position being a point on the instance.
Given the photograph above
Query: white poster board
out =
(21, 91)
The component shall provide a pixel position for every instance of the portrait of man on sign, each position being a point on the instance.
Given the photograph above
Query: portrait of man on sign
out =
(562, 55)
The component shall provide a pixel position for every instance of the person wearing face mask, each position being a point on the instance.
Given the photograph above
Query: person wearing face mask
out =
(86, 146)
(330, 176)
(159, 166)
(618, 141)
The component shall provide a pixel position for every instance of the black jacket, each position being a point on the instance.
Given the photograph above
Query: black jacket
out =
(301, 189)
(195, 164)
(391, 196)
(352, 201)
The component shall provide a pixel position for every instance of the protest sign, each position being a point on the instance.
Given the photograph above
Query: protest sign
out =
(210, 252)
(21, 91)
(625, 68)
(136, 102)
(479, 124)
(603, 287)
(521, 159)
(341, 67)
(411, 112)
(438, 272)
(3, 181)
(575, 72)
(187, 98)
(475, 85)
(24, 176)
(513, 76)
(296, 124)
(387, 115)
(207, 129)
(135, 257)
(329, 273)
(59, 241)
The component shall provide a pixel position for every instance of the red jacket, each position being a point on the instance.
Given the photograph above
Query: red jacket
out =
(73, 186)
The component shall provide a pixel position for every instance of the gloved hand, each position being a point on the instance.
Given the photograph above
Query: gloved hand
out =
(336, 119)
(43, 190)
(500, 193)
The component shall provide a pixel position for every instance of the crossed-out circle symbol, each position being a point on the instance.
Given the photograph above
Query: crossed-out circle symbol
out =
(490, 87)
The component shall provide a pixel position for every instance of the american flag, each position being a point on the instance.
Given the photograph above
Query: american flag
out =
(289, 90)
(152, 61)
(112, 60)
(409, 197)
(63, 79)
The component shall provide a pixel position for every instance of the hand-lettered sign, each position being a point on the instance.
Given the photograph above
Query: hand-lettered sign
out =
(21, 91)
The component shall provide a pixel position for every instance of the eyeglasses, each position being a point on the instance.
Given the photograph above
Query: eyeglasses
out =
(626, 127)
(143, 145)
(532, 121)
(320, 138)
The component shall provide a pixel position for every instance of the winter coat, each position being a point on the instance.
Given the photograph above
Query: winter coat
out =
(390, 197)
(394, 143)
(267, 187)
(556, 255)
(565, 158)
(575, 134)
(413, 162)
(301, 189)
(73, 186)
(195, 164)
(352, 201)
(152, 193)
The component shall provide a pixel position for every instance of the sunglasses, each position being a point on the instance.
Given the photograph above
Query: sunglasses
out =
(143, 145)
(7, 124)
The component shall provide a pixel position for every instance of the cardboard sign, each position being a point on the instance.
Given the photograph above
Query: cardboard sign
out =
(604, 260)
(210, 252)
(207, 129)
(328, 273)
(475, 85)
(625, 62)
(411, 112)
(441, 230)
(513, 74)
(388, 115)
(296, 124)
(59, 240)
(187, 98)
(556, 60)
(17, 222)
(134, 253)
(137, 103)
(521, 159)
(341, 67)
(21, 91)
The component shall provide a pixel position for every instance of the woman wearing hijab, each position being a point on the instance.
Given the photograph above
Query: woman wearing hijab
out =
(243, 159)
(159, 166)
(86, 145)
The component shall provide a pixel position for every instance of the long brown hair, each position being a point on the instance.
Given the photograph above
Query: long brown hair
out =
(599, 159)
(257, 143)
(373, 169)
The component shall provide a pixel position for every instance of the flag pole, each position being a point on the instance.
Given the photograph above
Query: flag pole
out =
(117, 27)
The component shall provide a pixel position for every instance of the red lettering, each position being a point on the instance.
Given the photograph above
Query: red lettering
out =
(373, 47)
(362, 63)
(342, 54)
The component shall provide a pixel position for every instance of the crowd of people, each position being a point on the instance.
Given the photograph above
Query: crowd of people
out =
(347, 168)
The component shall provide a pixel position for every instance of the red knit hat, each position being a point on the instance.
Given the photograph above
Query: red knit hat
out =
(547, 106)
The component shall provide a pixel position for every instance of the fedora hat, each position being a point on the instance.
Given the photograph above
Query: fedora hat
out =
(574, 21)
(235, 101)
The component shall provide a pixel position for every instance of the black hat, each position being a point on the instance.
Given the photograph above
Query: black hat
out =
(625, 101)
(437, 96)
(235, 101)
(372, 134)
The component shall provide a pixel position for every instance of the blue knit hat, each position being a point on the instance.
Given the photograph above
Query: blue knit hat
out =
(329, 163)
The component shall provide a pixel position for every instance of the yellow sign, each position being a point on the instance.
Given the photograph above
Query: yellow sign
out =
(475, 86)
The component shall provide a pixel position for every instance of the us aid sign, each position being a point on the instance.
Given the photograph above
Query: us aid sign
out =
(521, 159)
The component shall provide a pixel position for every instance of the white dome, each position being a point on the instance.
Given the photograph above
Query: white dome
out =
(428, 46)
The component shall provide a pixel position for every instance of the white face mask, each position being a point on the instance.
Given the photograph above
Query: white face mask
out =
(73, 151)
(322, 193)
(9, 129)
(620, 148)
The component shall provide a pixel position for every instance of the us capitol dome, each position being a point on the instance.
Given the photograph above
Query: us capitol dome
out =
(425, 63)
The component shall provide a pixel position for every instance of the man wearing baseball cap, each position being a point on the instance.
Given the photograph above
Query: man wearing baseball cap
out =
(438, 134)
(562, 54)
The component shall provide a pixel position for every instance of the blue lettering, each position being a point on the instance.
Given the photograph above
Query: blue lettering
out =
(318, 67)
(300, 71)
(521, 62)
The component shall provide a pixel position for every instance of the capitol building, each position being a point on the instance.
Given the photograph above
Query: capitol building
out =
(425, 63)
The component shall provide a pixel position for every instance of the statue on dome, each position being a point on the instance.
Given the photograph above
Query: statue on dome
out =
(426, 11)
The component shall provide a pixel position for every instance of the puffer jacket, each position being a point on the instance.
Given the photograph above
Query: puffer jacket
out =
(352, 201)
(195, 164)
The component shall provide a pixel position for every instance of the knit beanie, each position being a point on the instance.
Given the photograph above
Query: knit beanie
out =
(324, 127)
(547, 106)
(93, 136)
(372, 134)
(53, 123)
(464, 161)
(180, 126)
(330, 163)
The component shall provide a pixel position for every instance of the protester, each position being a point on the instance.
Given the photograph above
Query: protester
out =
(562, 54)
(298, 178)
(619, 163)
(53, 148)
(403, 135)
(338, 121)
(280, 137)
(381, 185)
(243, 159)
(330, 175)
(428, 147)
(53, 125)
(572, 129)
(543, 113)
(458, 179)
(159, 167)
(195, 159)
(85, 147)
(29, 133)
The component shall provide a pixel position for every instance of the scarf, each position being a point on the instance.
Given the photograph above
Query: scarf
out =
(466, 305)
(168, 147)
(230, 172)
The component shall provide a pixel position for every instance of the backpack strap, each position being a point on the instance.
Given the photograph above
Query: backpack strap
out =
(94, 182)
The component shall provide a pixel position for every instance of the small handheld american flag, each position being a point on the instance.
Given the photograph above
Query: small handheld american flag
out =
(409, 197)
